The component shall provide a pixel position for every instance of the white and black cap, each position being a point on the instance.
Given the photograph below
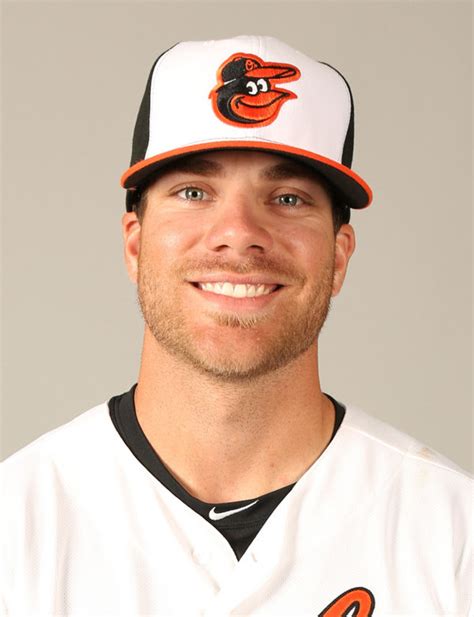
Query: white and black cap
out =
(249, 93)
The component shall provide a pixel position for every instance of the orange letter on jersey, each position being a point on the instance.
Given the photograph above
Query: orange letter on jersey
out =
(359, 598)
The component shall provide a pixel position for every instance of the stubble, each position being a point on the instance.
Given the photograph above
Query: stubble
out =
(295, 325)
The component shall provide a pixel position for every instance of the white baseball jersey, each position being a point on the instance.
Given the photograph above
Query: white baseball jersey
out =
(379, 525)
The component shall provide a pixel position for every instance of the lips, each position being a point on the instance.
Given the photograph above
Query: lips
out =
(237, 303)
(239, 290)
(235, 279)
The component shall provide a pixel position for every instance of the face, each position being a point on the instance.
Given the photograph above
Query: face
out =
(236, 262)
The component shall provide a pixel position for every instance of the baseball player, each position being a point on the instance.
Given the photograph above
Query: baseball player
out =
(226, 482)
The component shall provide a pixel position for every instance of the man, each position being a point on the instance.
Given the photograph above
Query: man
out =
(226, 482)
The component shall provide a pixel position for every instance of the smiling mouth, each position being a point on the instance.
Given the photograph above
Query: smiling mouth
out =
(239, 290)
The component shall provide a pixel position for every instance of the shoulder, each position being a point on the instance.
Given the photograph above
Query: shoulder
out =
(385, 438)
(404, 458)
(70, 442)
(50, 483)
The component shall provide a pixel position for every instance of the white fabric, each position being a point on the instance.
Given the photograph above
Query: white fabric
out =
(181, 112)
(87, 530)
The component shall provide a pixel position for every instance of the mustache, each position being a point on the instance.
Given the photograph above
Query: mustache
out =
(193, 269)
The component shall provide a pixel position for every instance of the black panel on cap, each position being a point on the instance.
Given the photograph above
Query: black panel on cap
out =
(141, 133)
(348, 148)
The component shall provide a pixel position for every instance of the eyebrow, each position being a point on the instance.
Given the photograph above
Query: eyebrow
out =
(198, 166)
(280, 171)
(286, 171)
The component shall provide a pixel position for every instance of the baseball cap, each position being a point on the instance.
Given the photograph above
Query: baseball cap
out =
(246, 93)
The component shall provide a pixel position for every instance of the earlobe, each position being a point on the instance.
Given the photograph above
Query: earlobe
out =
(343, 250)
(131, 231)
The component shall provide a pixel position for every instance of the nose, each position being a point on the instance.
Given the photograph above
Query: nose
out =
(238, 226)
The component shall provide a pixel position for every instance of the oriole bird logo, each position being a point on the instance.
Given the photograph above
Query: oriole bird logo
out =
(246, 94)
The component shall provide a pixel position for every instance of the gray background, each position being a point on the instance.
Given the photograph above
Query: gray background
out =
(398, 341)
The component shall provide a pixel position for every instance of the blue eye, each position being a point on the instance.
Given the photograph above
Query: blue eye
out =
(289, 200)
(192, 193)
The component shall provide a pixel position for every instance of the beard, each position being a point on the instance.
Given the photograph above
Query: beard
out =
(240, 347)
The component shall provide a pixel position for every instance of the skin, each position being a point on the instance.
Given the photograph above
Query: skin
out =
(229, 384)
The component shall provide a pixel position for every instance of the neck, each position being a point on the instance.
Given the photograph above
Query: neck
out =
(260, 434)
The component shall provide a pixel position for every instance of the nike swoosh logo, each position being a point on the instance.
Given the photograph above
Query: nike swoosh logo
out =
(217, 516)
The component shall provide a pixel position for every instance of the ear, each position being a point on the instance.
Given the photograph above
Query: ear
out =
(344, 247)
(131, 231)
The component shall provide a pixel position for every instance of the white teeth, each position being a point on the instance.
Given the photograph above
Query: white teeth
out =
(227, 289)
(251, 291)
(237, 291)
(240, 291)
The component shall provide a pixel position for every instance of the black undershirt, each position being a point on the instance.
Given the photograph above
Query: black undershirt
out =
(239, 528)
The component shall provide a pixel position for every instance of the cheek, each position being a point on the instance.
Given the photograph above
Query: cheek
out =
(168, 239)
(313, 247)
(164, 248)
